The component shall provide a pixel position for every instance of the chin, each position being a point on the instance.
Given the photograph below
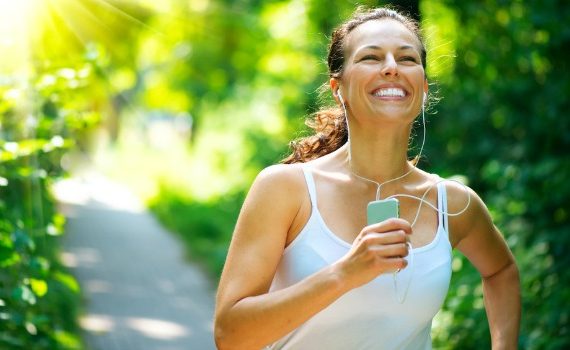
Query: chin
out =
(395, 114)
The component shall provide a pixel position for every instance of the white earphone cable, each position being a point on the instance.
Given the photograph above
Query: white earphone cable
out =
(421, 199)
(379, 185)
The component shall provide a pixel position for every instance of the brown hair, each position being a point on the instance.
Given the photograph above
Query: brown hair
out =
(329, 123)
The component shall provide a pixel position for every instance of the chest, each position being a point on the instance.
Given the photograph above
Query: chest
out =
(343, 209)
(423, 285)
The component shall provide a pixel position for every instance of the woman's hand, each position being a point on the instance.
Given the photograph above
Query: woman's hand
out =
(378, 248)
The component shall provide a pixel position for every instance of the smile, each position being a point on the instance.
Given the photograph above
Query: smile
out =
(390, 92)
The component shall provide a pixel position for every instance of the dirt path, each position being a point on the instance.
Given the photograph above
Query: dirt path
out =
(140, 292)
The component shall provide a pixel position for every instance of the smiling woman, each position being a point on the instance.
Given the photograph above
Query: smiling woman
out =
(309, 267)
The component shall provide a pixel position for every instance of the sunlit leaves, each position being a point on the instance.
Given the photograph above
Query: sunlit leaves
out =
(41, 116)
(8, 256)
(56, 227)
(440, 29)
(39, 287)
(67, 280)
(39, 267)
(67, 340)
(25, 148)
(24, 294)
(501, 123)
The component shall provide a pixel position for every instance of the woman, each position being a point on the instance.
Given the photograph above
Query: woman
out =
(306, 271)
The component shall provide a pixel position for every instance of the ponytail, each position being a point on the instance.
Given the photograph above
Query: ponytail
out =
(330, 133)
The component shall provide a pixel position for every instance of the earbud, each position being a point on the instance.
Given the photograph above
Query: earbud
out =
(425, 98)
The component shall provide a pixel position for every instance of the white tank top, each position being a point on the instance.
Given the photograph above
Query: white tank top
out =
(368, 317)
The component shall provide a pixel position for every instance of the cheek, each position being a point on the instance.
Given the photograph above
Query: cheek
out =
(420, 76)
(418, 82)
(359, 77)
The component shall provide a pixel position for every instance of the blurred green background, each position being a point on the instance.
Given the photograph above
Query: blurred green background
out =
(185, 101)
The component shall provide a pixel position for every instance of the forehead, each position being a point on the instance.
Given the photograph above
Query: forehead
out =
(385, 32)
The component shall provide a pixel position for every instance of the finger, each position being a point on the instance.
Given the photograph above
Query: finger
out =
(392, 224)
(392, 237)
(398, 250)
(395, 264)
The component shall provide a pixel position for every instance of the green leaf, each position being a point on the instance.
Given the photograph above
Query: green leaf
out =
(23, 242)
(40, 320)
(25, 294)
(8, 256)
(39, 287)
(67, 280)
(39, 266)
(53, 230)
(67, 340)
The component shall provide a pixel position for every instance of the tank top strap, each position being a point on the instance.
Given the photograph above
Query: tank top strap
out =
(442, 205)
(310, 185)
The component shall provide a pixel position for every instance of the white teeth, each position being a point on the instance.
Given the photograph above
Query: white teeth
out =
(391, 92)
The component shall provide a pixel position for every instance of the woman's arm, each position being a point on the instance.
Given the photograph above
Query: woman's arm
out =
(475, 235)
(247, 316)
(503, 306)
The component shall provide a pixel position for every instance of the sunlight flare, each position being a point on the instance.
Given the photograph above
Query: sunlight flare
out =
(14, 27)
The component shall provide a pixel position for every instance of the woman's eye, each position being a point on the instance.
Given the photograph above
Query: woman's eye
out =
(369, 57)
(408, 59)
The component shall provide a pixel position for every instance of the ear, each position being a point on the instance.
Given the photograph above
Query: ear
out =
(335, 85)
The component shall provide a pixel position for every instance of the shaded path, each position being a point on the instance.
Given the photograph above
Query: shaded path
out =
(140, 293)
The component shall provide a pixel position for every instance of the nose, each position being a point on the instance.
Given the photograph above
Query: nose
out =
(390, 67)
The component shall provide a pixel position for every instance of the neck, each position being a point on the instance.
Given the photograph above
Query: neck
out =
(378, 156)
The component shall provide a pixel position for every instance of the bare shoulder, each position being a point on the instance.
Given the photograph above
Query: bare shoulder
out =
(277, 189)
(280, 178)
(467, 211)
(460, 197)
(281, 172)
(473, 232)
(261, 232)
(267, 213)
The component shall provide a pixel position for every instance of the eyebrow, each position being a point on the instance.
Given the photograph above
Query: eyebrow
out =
(401, 48)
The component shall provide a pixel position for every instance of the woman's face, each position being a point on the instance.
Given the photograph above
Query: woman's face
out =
(383, 74)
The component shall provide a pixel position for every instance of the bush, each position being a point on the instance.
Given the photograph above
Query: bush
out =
(205, 227)
(39, 300)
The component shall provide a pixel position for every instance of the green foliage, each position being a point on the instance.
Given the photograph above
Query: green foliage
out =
(501, 123)
(39, 121)
(205, 227)
(249, 82)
